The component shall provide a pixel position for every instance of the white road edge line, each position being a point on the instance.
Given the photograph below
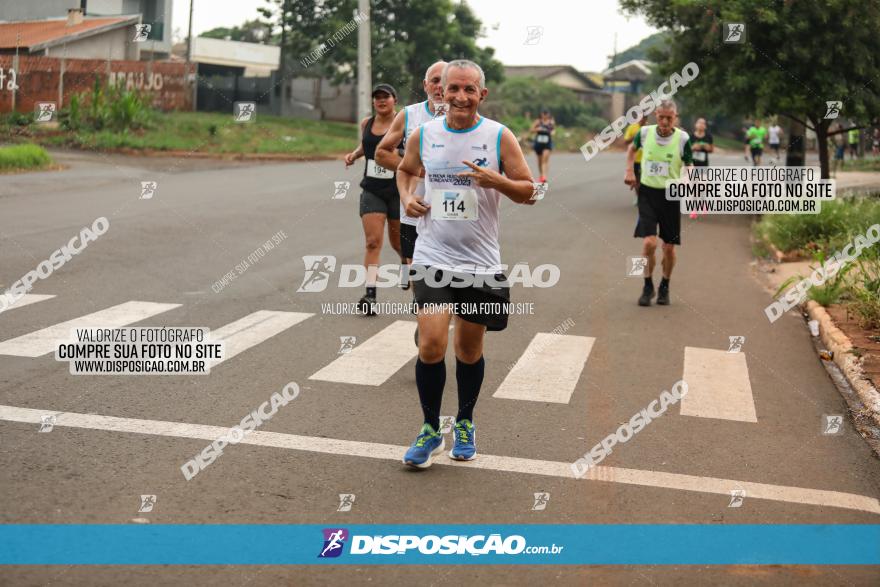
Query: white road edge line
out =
(351, 448)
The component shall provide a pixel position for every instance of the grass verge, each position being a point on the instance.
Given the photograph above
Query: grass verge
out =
(23, 157)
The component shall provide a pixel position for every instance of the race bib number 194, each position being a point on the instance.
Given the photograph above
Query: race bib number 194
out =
(377, 171)
(454, 204)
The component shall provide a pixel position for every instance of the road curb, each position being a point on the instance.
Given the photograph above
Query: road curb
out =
(839, 343)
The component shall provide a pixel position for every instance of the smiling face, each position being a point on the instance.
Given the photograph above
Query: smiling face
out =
(463, 94)
(383, 103)
(700, 125)
(431, 84)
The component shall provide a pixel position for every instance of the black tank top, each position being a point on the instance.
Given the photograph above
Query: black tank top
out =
(544, 128)
(375, 185)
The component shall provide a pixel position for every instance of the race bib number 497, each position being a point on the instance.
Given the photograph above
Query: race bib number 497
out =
(447, 204)
(657, 168)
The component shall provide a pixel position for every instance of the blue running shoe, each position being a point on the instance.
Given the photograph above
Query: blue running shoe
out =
(428, 443)
(464, 449)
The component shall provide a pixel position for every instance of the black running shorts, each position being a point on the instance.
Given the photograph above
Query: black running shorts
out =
(387, 204)
(408, 237)
(485, 304)
(654, 210)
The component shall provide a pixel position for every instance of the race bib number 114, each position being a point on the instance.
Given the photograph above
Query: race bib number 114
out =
(454, 204)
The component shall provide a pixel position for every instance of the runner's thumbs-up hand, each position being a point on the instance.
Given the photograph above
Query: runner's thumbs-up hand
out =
(483, 176)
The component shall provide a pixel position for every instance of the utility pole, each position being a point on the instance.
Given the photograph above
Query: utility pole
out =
(364, 63)
(189, 43)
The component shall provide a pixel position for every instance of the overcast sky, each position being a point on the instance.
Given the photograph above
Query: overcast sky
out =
(572, 33)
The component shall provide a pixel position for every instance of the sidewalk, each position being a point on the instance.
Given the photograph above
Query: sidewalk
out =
(858, 180)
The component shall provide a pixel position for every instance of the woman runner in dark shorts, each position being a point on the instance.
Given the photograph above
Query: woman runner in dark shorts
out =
(543, 127)
(379, 199)
(701, 143)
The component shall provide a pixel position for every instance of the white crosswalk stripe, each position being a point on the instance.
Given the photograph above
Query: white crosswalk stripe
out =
(44, 341)
(375, 360)
(253, 329)
(548, 370)
(28, 299)
(718, 385)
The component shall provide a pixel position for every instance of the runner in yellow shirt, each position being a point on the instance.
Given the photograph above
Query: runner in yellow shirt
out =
(628, 135)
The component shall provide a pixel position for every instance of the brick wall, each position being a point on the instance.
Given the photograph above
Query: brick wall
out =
(49, 79)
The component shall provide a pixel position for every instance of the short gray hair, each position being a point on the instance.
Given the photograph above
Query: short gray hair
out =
(667, 104)
(463, 64)
(430, 67)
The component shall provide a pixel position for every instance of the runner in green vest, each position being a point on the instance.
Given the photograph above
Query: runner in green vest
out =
(665, 149)
(852, 137)
(756, 135)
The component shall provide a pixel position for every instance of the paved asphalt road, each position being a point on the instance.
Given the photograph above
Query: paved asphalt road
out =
(205, 218)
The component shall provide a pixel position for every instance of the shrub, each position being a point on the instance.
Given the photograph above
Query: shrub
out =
(27, 156)
(835, 226)
(109, 107)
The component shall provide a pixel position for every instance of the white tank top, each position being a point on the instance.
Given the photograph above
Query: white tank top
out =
(414, 116)
(462, 245)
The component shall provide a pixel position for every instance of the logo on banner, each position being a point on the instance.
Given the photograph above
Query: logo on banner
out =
(334, 540)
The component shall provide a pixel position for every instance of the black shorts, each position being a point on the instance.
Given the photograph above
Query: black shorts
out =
(637, 168)
(479, 304)
(387, 204)
(757, 151)
(654, 210)
(541, 147)
(408, 236)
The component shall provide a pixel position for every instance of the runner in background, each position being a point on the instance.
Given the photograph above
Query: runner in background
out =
(852, 137)
(628, 135)
(756, 135)
(875, 143)
(775, 139)
(666, 149)
(380, 200)
(407, 120)
(701, 143)
(544, 128)
(839, 150)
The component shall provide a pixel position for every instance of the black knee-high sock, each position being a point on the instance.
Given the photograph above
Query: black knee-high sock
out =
(430, 379)
(470, 379)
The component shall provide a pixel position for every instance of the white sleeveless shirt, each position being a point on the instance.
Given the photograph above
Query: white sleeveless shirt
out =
(414, 116)
(460, 232)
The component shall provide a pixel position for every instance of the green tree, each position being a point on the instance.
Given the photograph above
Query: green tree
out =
(526, 96)
(640, 51)
(797, 56)
(406, 38)
(251, 31)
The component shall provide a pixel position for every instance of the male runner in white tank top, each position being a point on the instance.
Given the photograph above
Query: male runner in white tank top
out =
(405, 123)
(457, 255)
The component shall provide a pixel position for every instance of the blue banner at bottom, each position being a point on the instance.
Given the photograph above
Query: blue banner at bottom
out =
(603, 544)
